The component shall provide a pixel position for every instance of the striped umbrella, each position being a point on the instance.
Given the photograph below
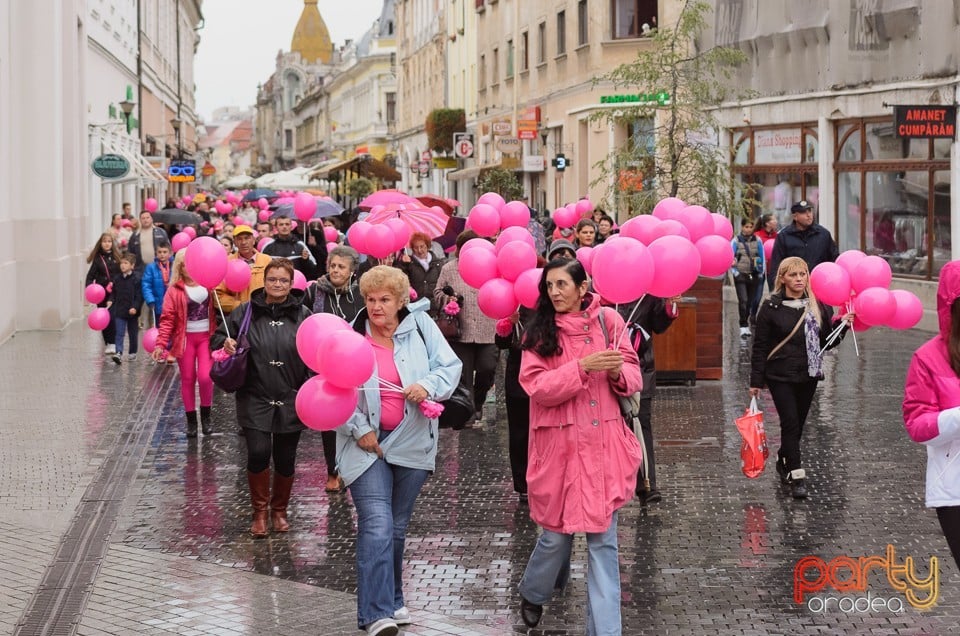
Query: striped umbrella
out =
(431, 222)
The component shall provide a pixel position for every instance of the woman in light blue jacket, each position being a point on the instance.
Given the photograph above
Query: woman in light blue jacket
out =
(388, 448)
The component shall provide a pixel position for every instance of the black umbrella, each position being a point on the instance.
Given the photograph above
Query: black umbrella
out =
(260, 193)
(176, 216)
(455, 225)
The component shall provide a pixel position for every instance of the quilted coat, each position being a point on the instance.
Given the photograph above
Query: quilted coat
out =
(931, 400)
(583, 460)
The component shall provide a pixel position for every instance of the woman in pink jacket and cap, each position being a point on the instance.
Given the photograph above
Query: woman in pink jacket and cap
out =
(583, 460)
(931, 407)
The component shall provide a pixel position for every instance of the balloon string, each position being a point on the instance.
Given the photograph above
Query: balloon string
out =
(633, 313)
(216, 297)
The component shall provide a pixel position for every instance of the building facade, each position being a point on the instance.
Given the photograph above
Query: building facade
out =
(823, 126)
(461, 44)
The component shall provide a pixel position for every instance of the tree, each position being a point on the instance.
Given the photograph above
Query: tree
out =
(359, 188)
(672, 146)
(503, 182)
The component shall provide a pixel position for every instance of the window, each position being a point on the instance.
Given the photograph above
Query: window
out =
(494, 67)
(391, 108)
(634, 18)
(524, 52)
(541, 43)
(509, 58)
(583, 23)
(561, 33)
(288, 139)
(482, 72)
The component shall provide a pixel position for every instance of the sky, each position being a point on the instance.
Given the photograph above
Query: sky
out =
(240, 39)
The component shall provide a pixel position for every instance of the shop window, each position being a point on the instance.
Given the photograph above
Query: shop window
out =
(883, 144)
(849, 138)
(848, 210)
(941, 148)
(811, 148)
(741, 155)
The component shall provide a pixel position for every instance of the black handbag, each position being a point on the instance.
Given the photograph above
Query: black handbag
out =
(231, 374)
(450, 325)
(457, 409)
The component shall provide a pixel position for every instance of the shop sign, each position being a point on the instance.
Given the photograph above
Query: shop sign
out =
(533, 163)
(501, 127)
(662, 98)
(925, 122)
(528, 122)
(182, 172)
(510, 163)
(508, 145)
(110, 166)
(444, 163)
(208, 170)
(777, 146)
(463, 145)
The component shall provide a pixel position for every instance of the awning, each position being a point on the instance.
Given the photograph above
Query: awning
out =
(365, 166)
(474, 171)
(140, 169)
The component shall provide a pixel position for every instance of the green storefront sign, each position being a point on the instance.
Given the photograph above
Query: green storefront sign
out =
(110, 166)
(661, 98)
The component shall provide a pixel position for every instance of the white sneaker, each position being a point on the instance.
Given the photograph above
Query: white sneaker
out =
(402, 616)
(110, 350)
(132, 357)
(383, 627)
(744, 331)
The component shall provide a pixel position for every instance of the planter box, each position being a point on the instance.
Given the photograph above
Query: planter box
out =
(692, 348)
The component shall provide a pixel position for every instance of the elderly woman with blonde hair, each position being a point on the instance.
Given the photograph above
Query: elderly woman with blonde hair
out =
(388, 448)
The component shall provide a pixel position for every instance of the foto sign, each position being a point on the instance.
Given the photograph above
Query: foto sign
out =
(110, 166)
(508, 145)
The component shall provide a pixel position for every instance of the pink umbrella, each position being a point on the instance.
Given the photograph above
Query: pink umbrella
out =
(385, 197)
(431, 222)
(431, 200)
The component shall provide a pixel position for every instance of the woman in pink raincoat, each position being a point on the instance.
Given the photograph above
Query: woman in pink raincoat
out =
(931, 407)
(583, 460)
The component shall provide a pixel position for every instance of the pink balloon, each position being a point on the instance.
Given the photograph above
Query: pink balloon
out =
(565, 218)
(484, 219)
(94, 293)
(357, 236)
(515, 233)
(323, 406)
(331, 234)
(237, 277)
(346, 360)
(722, 226)
(99, 319)
(610, 264)
(909, 310)
(262, 203)
(478, 243)
(186, 199)
(477, 266)
(401, 233)
(294, 224)
(514, 258)
(299, 280)
(668, 208)
(677, 263)
(850, 259)
(698, 221)
(331, 245)
(875, 306)
(180, 240)
(262, 243)
(584, 207)
(149, 339)
(871, 271)
(496, 298)
(263, 215)
(189, 231)
(238, 221)
(492, 199)
(206, 261)
(716, 255)
(830, 283)
(642, 228)
(150, 205)
(768, 249)
(304, 206)
(671, 227)
(585, 256)
(527, 287)
(514, 214)
(312, 331)
(380, 240)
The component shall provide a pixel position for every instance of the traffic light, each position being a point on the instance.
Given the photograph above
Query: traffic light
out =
(560, 162)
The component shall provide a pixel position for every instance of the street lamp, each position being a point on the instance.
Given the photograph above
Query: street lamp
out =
(127, 107)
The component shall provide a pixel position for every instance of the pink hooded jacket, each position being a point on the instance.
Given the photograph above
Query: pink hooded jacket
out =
(583, 460)
(931, 400)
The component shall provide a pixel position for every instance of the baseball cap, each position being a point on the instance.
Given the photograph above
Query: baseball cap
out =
(242, 229)
(801, 206)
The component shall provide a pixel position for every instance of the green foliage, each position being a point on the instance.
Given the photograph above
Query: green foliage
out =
(677, 153)
(359, 188)
(503, 182)
(440, 126)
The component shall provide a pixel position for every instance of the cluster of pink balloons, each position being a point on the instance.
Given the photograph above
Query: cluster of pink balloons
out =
(862, 283)
(325, 342)
(492, 214)
(379, 240)
(99, 318)
(569, 215)
(505, 272)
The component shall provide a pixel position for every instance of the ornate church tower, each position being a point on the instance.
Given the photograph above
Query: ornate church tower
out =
(311, 38)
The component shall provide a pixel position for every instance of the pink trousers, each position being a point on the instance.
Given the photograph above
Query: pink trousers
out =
(195, 364)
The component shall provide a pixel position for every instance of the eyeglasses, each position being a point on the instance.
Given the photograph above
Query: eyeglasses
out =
(278, 281)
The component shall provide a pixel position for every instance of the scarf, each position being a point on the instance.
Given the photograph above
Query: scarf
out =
(164, 272)
(425, 262)
(811, 332)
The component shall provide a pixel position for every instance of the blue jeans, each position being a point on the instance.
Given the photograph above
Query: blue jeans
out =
(124, 324)
(552, 555)
(384, 496)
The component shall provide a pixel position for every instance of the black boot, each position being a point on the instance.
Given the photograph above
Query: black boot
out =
(205, 420)
(798, 488)
(191, 423)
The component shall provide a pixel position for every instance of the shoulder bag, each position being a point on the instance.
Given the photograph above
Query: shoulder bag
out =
(231, 374)
(449, 324)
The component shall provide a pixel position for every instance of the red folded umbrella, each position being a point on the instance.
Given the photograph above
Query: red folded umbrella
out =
(431, 200)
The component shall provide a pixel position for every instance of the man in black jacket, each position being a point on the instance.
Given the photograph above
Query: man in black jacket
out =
(141, 245)
(810, 241)
(286, 244)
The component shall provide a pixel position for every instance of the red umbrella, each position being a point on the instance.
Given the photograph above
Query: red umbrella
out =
(418, 218)
(446, 204)
(385, 197)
